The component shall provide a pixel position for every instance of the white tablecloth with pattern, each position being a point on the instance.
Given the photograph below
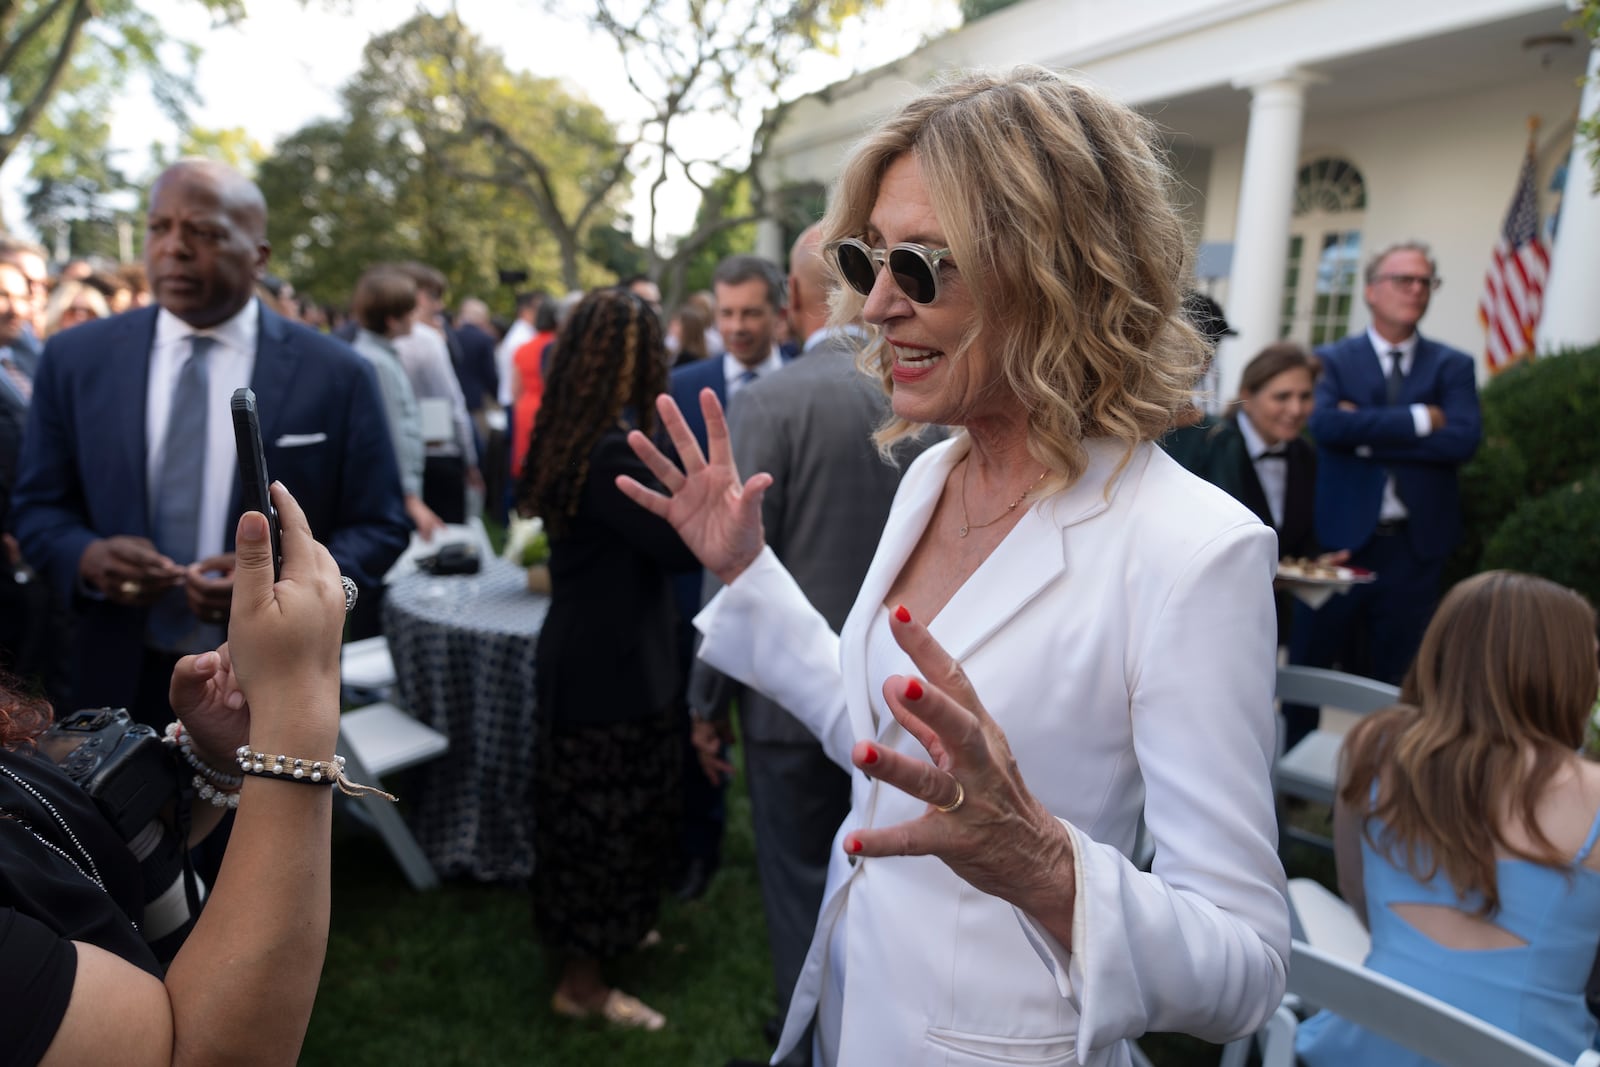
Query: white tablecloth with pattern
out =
(463, 656)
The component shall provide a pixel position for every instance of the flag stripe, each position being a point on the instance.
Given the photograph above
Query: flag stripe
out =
(1513, 289)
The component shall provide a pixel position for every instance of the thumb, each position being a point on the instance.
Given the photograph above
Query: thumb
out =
(189, 680)
(253, 559)
(750, 496)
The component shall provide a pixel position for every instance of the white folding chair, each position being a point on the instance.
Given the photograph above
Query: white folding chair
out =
(1325, 922)
(1399, 1012)
(381, 739)
(1311, 769)
(366, 665)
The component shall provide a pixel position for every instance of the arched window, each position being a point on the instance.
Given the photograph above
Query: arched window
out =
(1330, 200)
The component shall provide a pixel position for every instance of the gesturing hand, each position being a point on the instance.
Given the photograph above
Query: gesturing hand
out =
(717, 516)
(981, 820)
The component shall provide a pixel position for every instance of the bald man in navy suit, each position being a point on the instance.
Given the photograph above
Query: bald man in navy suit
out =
(130, 443)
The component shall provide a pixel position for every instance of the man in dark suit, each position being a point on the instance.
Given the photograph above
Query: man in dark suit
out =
(127, 496)
(1396, 414)
(750, 294)
(810, 426)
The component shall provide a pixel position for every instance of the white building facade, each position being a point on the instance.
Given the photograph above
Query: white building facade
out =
(1308, 134)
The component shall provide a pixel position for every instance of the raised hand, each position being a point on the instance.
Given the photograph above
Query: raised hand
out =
(718, 517)
(982, 821)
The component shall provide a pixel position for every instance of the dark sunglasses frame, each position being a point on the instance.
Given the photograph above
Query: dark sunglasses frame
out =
(915, 268)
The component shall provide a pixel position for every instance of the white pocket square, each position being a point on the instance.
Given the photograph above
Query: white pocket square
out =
(299, 440)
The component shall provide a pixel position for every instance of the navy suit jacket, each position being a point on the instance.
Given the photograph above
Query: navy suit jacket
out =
(1357, 450)
(82, 473)
(687, 381)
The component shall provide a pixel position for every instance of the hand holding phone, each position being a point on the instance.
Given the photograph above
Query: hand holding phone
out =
(253, 470)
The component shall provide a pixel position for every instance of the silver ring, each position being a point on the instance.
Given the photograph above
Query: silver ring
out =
(350, 592)
(961, 798)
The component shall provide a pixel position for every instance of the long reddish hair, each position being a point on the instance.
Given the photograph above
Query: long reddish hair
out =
(1494, 704)
(22, 717)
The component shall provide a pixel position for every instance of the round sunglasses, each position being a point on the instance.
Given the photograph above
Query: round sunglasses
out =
(915, 268)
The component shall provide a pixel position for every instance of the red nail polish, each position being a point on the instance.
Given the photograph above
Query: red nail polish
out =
(913, 689)
(871, 756)
(853, 845)
(902, 614)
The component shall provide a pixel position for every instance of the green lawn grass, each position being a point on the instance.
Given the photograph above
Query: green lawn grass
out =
(456, 976)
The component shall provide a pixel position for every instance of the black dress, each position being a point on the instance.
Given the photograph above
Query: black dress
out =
(49, 898)
(608, 756)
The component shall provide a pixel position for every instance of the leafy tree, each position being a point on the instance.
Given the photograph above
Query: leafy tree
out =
(697, 66)
(61, 62)
(424, 164)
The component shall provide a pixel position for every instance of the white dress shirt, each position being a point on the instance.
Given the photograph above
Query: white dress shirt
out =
(231, 362)
(520, 333)
(1392, 510)
(733, 371)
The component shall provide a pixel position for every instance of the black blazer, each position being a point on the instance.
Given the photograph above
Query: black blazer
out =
(1216, 451)
(607, 649)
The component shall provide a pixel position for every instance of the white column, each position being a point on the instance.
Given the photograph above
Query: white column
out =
(1261, 235)
(769, 242)
(1571, 316)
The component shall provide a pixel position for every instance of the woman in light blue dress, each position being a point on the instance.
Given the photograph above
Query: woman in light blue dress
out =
(1467, 819)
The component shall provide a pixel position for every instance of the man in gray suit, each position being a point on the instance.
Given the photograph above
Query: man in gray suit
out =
(810, 426)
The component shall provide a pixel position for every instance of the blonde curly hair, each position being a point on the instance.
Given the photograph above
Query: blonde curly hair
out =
(1054, 201)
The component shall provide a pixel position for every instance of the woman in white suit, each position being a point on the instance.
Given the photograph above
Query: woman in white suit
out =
(1061, 627)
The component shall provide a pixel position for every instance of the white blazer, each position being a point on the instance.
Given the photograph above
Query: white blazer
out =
(1123, 637)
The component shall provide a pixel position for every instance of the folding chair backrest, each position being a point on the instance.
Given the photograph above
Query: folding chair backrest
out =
(1410, 1017)
(1334, 689)
(1310, 769)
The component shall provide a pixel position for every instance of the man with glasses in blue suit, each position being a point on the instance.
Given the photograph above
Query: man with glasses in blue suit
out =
(1396, 415)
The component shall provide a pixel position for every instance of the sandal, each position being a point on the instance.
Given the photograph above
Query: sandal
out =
(618, 1009)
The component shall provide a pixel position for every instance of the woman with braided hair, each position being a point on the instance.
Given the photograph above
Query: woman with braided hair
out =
(607, 756)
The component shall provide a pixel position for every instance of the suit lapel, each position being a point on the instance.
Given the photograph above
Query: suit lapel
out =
(271, 380)
(1419, 383)
(901, 533)
(125, 380)
(1250, 492)
(1031, 558)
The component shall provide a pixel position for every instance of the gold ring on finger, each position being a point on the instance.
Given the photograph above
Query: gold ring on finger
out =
(129, 588)
(961, 797)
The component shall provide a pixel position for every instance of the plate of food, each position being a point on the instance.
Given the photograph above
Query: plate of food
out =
(1315, 572)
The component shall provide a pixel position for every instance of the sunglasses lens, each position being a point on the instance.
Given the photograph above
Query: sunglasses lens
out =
(855, 266)
(912, 274)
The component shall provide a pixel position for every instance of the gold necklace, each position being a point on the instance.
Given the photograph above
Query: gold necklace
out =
(967, 525)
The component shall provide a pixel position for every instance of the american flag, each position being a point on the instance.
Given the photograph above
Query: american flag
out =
(1513, 290)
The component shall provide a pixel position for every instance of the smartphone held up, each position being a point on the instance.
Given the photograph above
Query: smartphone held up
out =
(253, 469)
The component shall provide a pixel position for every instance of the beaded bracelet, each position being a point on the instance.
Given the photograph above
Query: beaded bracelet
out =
(217, 797)
(222, 780)
(306, 772)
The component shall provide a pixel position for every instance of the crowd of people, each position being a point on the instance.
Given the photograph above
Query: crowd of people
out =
(917, 512)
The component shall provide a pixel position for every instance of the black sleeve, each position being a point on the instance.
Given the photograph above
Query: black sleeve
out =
(37, 969)
(647, 534)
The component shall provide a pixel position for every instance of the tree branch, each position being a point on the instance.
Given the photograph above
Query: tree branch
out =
(81, 13)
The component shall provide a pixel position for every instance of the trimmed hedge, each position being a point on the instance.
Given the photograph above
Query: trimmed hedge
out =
(1556, 535)
(1531, 495)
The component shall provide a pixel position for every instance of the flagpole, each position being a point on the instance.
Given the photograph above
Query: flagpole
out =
(1571, 316)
